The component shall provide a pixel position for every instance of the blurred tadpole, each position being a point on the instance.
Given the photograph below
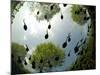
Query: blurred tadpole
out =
(51, 7)
(46, 35)
(19, 60)
(25, 26)
(27, 49)
(61, 16)
(37, 12)
(30, 58)
(64, 5)
(57, 58)
(45, 16)
(25, 62)
(64, 44)
(33, 65)
(49, 26)
(69, 38)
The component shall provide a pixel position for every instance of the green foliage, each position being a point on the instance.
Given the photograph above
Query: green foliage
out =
(92, 13)
(17, 50)
(47, 52)
(87, 59)
(17, 68)
(44, 9)
(15, 6)
(78, 18)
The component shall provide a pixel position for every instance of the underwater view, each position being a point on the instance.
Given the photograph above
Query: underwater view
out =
(52, 37)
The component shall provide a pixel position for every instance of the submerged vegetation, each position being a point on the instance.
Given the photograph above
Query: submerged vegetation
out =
(15, 6)
(18, 53)
(79, 14)
(88, 59)
(44, 10)
(46, 56)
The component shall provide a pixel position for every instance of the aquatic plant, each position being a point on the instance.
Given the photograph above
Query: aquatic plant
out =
(46, 56)
(15, 6)
(17, 51)
(79, 14)
(43, 10)
(87, 59)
